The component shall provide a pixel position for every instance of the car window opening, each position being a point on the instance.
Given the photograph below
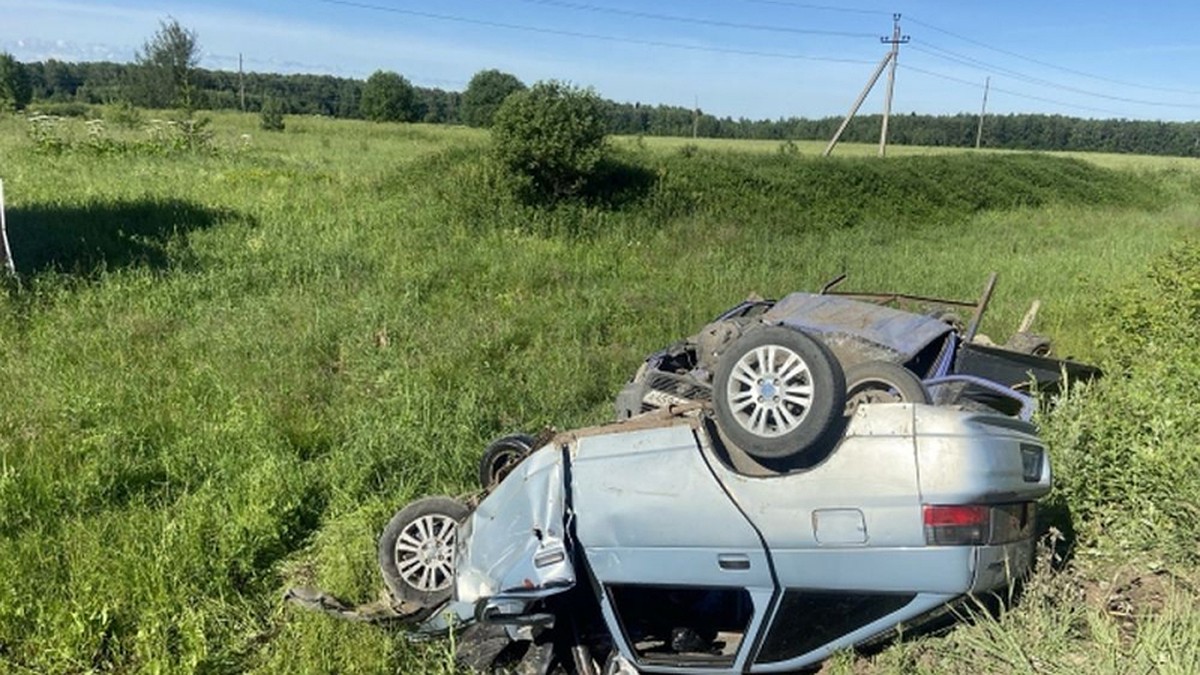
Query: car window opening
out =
(672, 625)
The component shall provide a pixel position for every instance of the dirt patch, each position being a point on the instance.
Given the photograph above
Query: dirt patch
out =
(1131, 594)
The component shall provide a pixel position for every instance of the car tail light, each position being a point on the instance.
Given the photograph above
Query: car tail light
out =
(959, 525)
(978, 524)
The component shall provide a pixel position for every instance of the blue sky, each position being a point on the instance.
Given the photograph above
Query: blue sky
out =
(742, 58)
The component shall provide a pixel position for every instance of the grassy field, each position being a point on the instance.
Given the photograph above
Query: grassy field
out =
(224, 370)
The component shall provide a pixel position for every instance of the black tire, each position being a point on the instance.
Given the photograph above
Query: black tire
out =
(501, 456)
(751, 388)
(416, 550)
(1030, 343)
(882, 382)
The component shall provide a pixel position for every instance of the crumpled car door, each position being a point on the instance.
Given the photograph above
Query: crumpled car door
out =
(684, 577)
(516, 543)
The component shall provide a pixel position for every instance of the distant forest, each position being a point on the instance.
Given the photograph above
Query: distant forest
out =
(104, 82)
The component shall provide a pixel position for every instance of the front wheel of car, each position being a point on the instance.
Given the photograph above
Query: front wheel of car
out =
(416, 550)
(777, 393)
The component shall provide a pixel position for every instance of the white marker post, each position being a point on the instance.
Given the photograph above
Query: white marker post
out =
(4, 249)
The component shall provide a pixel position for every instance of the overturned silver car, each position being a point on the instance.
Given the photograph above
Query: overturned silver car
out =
(799, 478)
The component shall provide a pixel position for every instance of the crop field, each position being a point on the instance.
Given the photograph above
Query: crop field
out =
(223, 369)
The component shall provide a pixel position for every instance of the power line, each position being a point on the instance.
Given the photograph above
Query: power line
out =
(1046, 64)
(1030, 97)
(826, 8)
(970, 61)
(694, 20)
(588, 36)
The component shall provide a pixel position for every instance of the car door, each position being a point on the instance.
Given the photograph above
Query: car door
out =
(846, 539)
(683, 577)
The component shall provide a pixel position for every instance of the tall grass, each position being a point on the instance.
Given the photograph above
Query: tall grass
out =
(223, 372)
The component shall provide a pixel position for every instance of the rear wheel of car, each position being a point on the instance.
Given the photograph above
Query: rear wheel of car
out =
(416, 550)
(882, 382)
(501, 457)
(777, 392)
(1030, 343)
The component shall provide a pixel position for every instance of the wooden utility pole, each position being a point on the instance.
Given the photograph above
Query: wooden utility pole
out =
(896, 40)
(241, 82)
(987, 84)
(696, 119)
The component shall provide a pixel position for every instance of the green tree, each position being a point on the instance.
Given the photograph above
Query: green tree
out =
(551, 137)
(484, 94)
(15, 89)
(271, 116)
(388, 97)
(167, 64)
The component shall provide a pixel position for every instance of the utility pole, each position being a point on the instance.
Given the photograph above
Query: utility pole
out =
(987, 84)
(837, 135)
(696, 119)
(896, 40)
(241, 82)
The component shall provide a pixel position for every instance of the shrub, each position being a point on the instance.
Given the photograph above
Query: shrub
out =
(271, 116)
(550, 138)
(125, 115)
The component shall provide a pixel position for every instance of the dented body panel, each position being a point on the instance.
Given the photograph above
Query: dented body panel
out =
(655, 509)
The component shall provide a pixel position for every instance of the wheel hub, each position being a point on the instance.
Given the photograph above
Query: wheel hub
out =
(425, 553)
(770, 391)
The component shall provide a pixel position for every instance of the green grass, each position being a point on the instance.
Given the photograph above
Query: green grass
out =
(223, 372)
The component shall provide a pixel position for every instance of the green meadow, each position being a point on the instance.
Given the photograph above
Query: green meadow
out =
(223, 368)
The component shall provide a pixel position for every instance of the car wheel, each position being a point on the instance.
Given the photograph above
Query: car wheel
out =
(777, 392)
(501, 456)
(882, 382)
(1030, 343)
(416, 550)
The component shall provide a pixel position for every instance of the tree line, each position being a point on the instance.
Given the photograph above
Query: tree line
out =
(390, 97)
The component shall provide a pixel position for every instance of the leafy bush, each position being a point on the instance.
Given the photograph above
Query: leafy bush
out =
(125, 115)
(550, 138)
(271, 116)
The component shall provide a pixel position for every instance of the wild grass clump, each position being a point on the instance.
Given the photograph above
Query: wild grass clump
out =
(1125, 448)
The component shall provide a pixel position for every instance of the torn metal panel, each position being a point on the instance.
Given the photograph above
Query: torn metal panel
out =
(515, 543)
(857, 331)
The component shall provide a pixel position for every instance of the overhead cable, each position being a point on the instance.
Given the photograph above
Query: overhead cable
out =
(695, 20)
(969, 61)
(589, 36)
(1046, 64)
(1030, 97)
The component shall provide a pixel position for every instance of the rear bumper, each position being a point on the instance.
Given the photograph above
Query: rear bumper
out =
(1001, 565)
